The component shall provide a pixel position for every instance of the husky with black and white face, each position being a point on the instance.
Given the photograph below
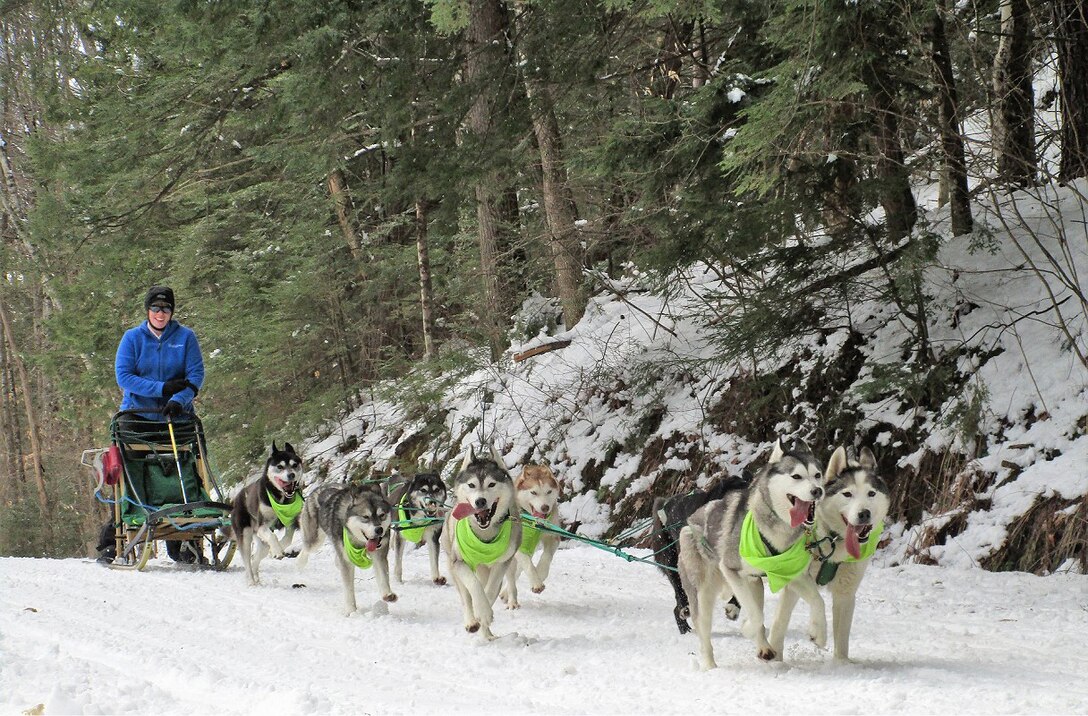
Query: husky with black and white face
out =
(849, 519)
(481, 536)
(357, 520)
(421, 504)
(254, 516)
(780, 505)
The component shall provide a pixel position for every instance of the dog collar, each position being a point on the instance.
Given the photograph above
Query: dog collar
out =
(474, 550)
(287, 512)
(411, 529)
(356, 555)
(780, 569)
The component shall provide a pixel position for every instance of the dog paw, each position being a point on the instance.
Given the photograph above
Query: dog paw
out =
(440, 581)
(389, 597)
(473, 627)
(732, 611)
(819, 638)
(538, 589)
(515, 604)
(767, 654)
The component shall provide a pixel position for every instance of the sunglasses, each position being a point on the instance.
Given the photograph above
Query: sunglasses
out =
(161, 309)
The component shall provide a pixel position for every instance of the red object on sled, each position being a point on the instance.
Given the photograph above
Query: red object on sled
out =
(111, 466)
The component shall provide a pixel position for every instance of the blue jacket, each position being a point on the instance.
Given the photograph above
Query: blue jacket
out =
(145, 362)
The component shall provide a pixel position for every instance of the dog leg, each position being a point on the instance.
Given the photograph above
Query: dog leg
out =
(269, 538)
(246, 548)
(347, 576)
(702, 616)
(511, 590)
(806, 587)
(842, 618)
(433, 549)
(398, 557)
(310, 540)
(288, 538)
(381, 572)
(786, 604)
(544, 566)
(749, 592)
(468, 586)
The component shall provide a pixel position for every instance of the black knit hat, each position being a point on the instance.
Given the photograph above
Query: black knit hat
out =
(159, 294)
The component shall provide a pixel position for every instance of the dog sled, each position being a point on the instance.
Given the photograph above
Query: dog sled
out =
(155, 476)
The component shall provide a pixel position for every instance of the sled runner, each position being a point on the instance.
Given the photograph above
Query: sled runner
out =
(157, 479)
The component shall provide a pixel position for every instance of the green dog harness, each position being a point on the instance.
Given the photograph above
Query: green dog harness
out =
(530, 537)
(287, 512)
(410, 530)
(474, 550)
(357, 555)
(781, 569)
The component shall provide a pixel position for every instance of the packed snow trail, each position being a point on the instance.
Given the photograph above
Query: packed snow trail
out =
(78, 638)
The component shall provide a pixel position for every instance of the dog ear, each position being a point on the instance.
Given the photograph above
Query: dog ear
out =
(801, 447)
(497, 458)
(836, 464)
(778, 452)
(274, 450)
(470, 457)
(867, 460)
(287, 448)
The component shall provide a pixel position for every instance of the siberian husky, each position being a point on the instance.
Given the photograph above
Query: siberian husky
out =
(356, 519)
(481, 536)
(849, 520)
(536, 493)
(670, 515)
(421, 506)
(764, 524)
(271, 503)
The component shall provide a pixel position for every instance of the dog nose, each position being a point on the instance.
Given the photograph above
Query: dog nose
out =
(817, 493)
(863, 516)
(378, 530)
(481, 503)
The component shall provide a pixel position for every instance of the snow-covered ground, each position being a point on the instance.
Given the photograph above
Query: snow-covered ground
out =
(78, 638)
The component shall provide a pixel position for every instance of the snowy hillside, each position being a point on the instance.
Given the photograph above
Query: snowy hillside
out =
(76, 638)
(639, 402)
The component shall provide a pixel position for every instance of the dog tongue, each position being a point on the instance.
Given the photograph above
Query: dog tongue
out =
(853, 544)
(463, 510)
(372, 545)
(799, 513)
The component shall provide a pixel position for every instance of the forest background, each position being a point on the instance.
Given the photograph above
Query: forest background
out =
(346, 193)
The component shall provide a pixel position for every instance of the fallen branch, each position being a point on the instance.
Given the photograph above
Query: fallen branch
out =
(543, 348)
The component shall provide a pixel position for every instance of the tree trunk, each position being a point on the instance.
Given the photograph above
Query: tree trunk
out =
(32, 425)
(1071, 38)
(560, 210)
(1014, 119)
(900, 209)
(485, 51)
(955, 166)
(426, 294)
(339, 193)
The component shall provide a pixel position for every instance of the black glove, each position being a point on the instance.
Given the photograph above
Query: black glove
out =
(171, 387)
(173, 409)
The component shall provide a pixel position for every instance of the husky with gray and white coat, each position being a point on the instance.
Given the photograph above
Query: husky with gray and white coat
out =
(781, 501)
(849, 519)
(484, 520)
(356, 519)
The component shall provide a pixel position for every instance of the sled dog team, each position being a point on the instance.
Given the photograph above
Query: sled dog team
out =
(793, 526)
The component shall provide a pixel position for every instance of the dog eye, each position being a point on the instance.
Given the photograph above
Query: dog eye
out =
(872, 493)
(847, 494)
(797, 476)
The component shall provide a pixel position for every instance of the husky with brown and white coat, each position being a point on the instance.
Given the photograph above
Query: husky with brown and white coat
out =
(849, 520)
(537, 494)
(481, 536)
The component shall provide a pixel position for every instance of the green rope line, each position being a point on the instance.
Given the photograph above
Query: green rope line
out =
(605, 546)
